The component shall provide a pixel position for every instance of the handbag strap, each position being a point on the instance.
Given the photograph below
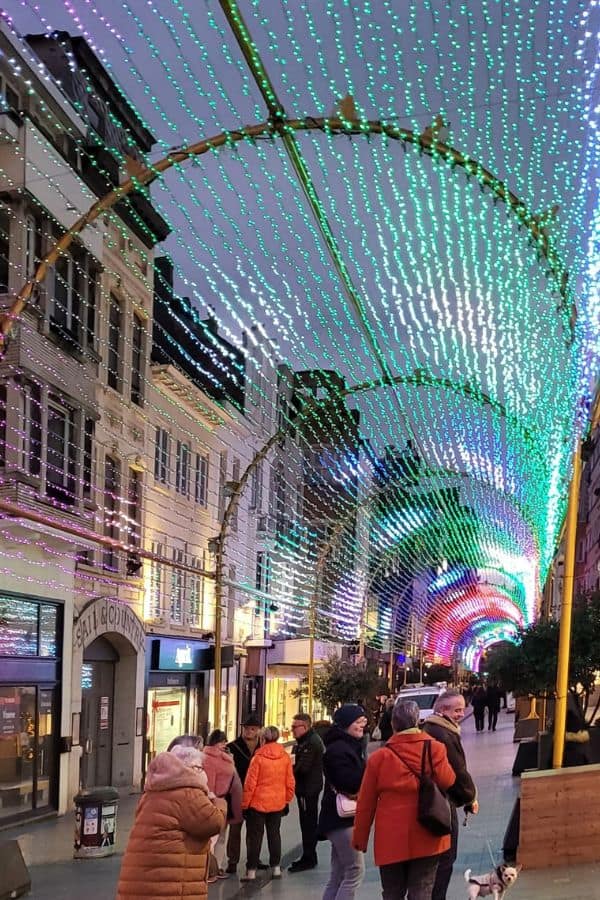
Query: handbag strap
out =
(403, 761)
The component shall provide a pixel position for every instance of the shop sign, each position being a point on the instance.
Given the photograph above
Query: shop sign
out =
(104, 615)
(172, 655)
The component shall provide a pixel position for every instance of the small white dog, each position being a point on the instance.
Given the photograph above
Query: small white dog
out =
(492, 884)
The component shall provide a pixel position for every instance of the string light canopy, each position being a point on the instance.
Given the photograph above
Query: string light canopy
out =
(402, 198)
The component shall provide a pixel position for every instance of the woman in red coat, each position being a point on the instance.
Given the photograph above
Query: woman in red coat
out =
(405, 851)
(268, 788)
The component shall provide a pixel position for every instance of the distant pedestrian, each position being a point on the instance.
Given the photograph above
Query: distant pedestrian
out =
(242, 749)
(168, 847)
(492, 701)
(344, 767)
(406, 852)
(385, 722)
(478, 703)
(224, 782)
(444, 726)
(187, 740)
(577, 737)
(308, 774)
(268, 789)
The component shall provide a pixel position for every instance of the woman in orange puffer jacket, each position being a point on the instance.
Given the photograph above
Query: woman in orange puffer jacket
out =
(167, 851)
(268, 788)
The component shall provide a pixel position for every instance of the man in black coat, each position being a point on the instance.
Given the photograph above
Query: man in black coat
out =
(308, 773)
(242, 750)
(444, 726)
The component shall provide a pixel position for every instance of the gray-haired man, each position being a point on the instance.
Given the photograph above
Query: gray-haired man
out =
(444, 726)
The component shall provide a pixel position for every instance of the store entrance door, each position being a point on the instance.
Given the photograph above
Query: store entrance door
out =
(97, 702)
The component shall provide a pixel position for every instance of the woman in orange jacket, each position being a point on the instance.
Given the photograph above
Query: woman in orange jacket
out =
(406, 852)
(268, 788)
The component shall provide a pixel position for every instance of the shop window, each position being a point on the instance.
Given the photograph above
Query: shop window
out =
(162, 456)
(28, 628)
(27, 753)
(115, 324)
(137, 360)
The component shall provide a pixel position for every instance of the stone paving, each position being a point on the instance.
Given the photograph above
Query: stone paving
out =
(47, 846)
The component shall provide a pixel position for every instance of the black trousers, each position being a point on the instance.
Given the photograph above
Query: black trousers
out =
(479, 716)
(256, 822)
(446, 862)
(308, 810)
(413, 879)
(492, 719)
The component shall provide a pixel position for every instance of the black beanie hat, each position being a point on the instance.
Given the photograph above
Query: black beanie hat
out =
(347, 714)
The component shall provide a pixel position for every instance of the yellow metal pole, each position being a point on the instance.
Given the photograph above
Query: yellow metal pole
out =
(311, 669)
(562, 673)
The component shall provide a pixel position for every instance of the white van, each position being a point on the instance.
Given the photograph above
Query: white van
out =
(425, 696)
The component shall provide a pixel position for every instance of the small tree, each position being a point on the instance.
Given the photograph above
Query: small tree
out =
(340, 681)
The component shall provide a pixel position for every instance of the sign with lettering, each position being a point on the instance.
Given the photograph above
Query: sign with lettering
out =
(103, 616)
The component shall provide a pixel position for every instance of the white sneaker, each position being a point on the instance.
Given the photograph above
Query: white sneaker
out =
(249, 876)
(276, 871)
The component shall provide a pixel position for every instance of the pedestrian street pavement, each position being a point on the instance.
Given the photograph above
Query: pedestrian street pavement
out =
(47, 846)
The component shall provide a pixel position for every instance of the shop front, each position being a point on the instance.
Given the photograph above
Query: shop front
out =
(178, 689)
(287, 682)
(30, 665)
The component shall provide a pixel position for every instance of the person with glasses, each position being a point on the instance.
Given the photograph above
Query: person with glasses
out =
(308, 772)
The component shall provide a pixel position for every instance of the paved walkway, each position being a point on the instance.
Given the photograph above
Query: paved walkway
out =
(47, 846)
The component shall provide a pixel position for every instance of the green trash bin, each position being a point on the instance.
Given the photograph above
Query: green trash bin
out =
(95, 822)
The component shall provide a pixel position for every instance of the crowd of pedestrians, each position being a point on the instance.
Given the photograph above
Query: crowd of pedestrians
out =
(197, 800)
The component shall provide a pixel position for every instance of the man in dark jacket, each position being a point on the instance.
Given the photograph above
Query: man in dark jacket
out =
(242, 750)
(444, 726)
(308, 773)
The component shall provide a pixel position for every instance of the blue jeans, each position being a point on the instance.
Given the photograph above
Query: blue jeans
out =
(347, 866)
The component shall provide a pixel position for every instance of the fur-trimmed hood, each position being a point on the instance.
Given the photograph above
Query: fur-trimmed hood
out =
(166, 772)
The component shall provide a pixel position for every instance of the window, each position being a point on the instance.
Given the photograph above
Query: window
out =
(114, 344)
(90, 302)
(256, 487)
(196, 595)
(222, 480)
(33, 245)
(263, 572)
(60, 453)
(231, 598)
(137, 358)
(153, 605)
(161, 456)
(2, 424)
(280, 498)
(201, 485)
(88, 439)
(4, 248)
(134, 508)
(32, 428)
(235, 477)
(182, 469)
(111, 510)
(66, 301)
(177, 586)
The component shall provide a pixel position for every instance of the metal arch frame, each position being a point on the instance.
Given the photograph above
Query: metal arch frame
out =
(269, 129)
(301, 421)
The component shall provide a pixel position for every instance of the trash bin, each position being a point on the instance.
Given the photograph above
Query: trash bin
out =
(95, 822)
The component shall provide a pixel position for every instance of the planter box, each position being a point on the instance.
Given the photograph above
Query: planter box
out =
(560, 817)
